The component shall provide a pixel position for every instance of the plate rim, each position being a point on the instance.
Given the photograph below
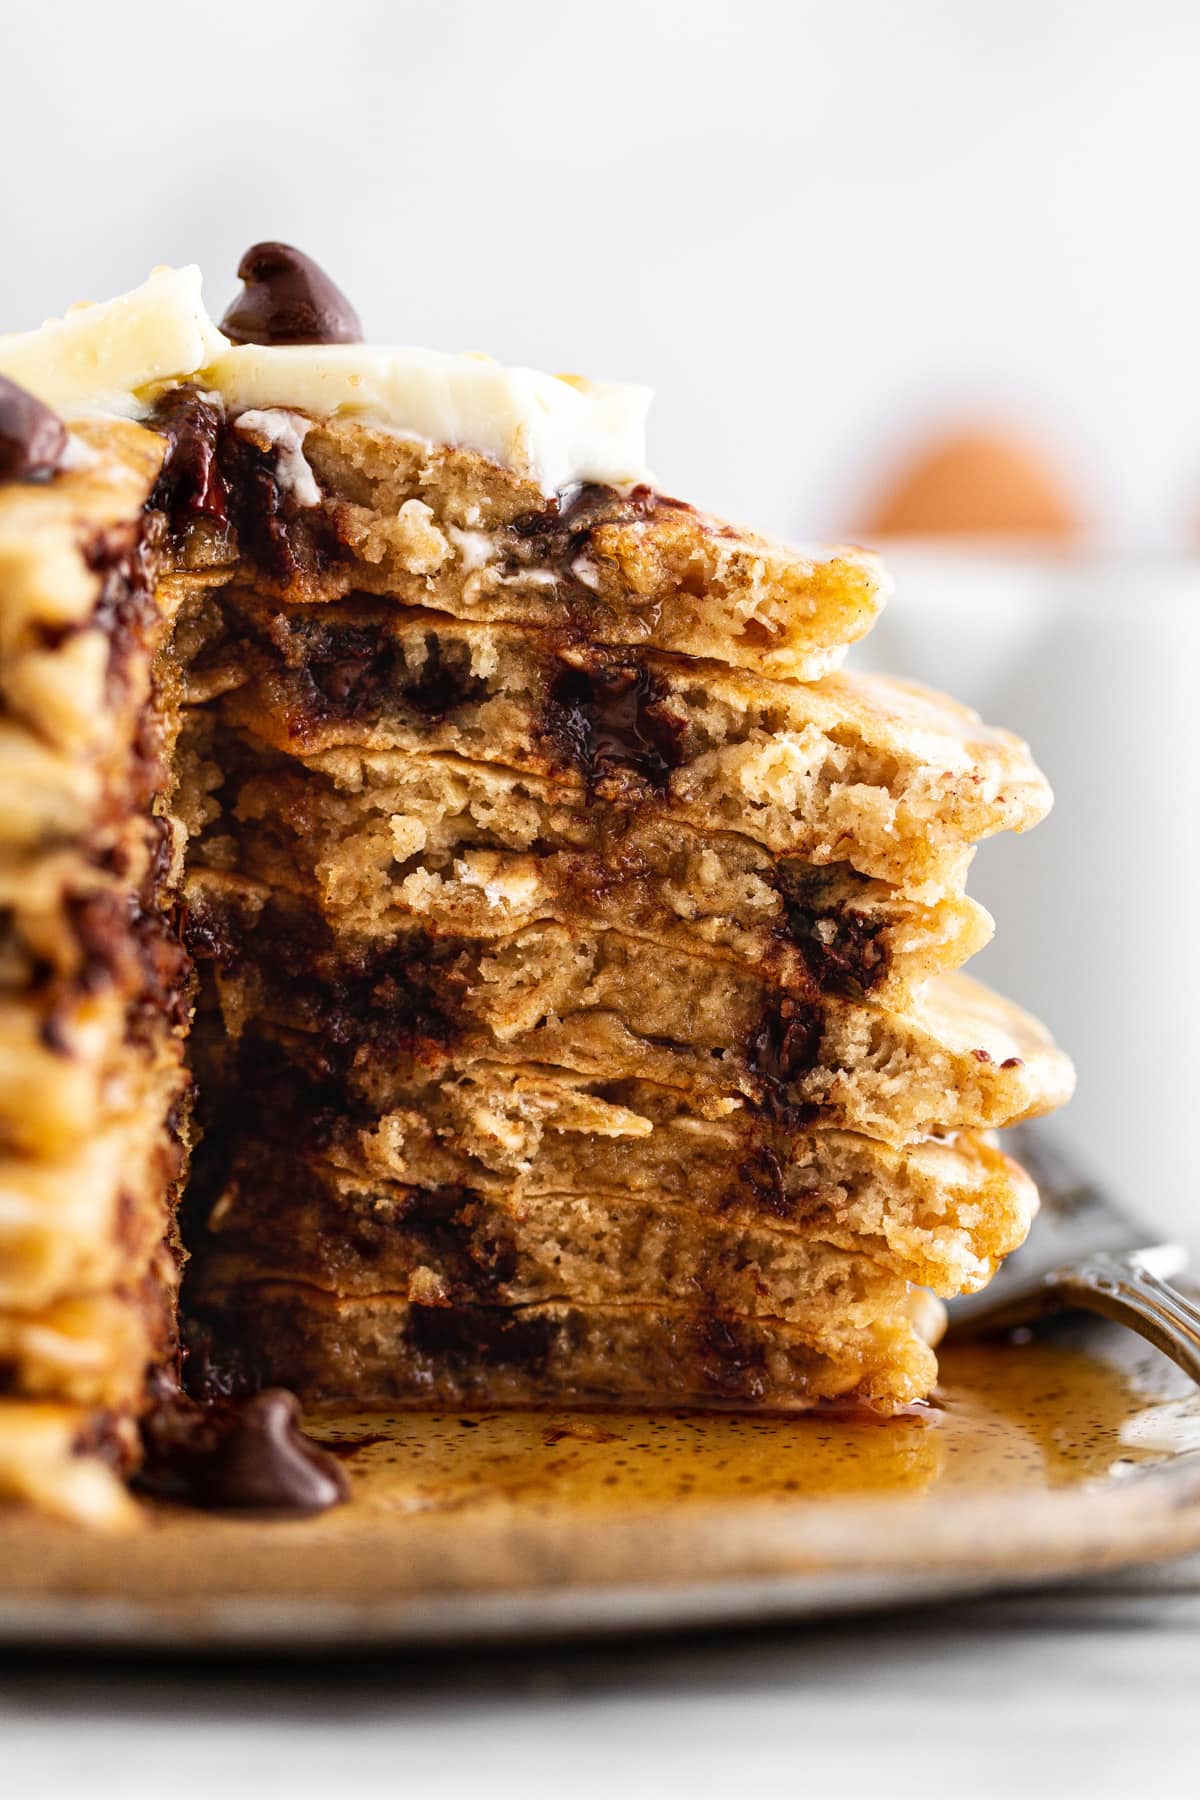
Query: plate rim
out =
(790, 1560)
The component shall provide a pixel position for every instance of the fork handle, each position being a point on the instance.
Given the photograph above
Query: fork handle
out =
(1124, 1289)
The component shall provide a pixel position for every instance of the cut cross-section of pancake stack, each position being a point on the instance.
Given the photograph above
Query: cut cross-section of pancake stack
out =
(582, 1021)
(464, 875)
(612, 981)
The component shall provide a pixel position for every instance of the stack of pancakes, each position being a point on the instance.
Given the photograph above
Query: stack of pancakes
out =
(94, 983)
(464, 941)
(578, 1020)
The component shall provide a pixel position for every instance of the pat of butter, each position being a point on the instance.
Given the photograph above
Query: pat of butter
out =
(116, 356)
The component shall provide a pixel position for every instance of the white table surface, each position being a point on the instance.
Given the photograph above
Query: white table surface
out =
(1089, 1691)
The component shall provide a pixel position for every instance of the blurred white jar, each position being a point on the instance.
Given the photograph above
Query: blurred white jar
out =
(1097, 663)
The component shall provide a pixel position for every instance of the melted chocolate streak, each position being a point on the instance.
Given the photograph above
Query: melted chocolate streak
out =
(842, 947)
(210, 473)
(355, 669)
(396, 998)
(613, 719)
(473, 1250)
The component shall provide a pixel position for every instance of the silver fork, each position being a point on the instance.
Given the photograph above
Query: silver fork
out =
(1086, 1252)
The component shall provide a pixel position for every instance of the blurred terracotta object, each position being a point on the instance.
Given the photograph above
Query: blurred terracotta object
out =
(974, 483)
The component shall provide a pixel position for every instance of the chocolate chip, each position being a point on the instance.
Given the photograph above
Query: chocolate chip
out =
(760, 1180)
(840, 946)
(615, 717)
(731, 1361)
(33, 440)
(288, 299)
(468, 1240)
(246, 1455)
(785, 1045)
(356, 670)
(493, 1336)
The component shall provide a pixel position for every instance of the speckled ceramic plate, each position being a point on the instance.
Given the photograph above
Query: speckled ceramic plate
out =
(1040, 1462)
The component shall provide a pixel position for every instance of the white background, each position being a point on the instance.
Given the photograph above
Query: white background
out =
(813, 227)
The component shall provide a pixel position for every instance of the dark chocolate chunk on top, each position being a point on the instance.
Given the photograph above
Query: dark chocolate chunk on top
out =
(33, 440)
(288, 299)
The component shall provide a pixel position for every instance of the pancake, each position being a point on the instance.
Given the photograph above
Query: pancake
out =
(382, 1350)
(891, 778)
(377, 843)
(602, 1004)
(434, 525)
(454, 1247)
(941, 1212)
(462, 939)
(859, 1231)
